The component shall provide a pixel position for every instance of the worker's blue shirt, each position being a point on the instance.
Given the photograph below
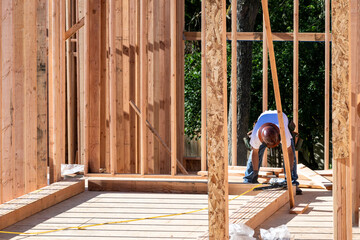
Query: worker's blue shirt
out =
(269, 117)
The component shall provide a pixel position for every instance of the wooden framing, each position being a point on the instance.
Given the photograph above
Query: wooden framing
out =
(203, 90)
(216, 118)
(278, 102)
(265, 83)
(234, 82)
(36, 201)
(296, 71)
(343, 119)
(327, 86)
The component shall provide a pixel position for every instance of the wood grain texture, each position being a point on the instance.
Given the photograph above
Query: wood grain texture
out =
(216, 118)
(203, 90)
(1, 83)
(296, 71)
(327, 87)
(234, 82)
(341, 119)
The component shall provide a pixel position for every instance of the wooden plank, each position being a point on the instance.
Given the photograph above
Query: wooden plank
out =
(354, 114)
(30, 105)
(234, 82)
(180, 68)
(1, 118)
(216, 118)
(18, 98)
(92, 84)
(315, 177)
(296, 71)
(36, 201)
(265, 169)
(203, 90)
(70, 87)
(327, 87)
(42, 98)
(154, 176)
(61, 111)
(300, 209)
(278, 102)
(342, 121)
(173, 85)
(112, 82)
(356, 75)
(163, 185)
(265, 81)
(74, 28)
(8, 166)
(143, 84)
(257, 210)
(258, 36)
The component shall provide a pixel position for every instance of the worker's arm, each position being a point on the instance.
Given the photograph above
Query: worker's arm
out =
(255, 159)
(291, 157)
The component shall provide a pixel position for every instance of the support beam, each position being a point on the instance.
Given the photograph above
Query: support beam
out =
(342, 115)
(278, 102)
(173, 85)
(296, 71)
(74, 28)
(327, 86)
(234, 82)
(258, 36)
(216, 118)
(203, 90)
(265, 89)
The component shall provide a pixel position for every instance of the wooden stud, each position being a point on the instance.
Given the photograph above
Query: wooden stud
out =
(296, 71)
(203, 90)
(327, 86)
(70, 87)
(234, 81)
(143, 84)
(216, 101)
(258, 36)
(173, 85)
(342, 113)
(265, 83)
(278, 102)
(42, 91)
(92, 84)
(1, 118)
(30, 93)
(354, 115)
(112, 82)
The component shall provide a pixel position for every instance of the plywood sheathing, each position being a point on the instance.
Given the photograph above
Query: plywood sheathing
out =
(216, 117)
(341, 120)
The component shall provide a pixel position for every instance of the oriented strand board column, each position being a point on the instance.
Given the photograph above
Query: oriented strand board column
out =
(342, 120)
(216, 101)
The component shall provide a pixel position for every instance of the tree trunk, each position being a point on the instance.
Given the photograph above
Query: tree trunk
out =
(246, 15)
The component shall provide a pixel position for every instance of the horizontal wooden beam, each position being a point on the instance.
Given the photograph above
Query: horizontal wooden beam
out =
(22, 207)
(258, 36)
(184, 186)
(76, 27)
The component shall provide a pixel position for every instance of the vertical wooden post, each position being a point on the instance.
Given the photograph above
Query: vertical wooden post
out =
(343, 119)
(234, 81)
(42, 99)
(143, 84)
(203, 89)
(92, 84)
(112, 88)
(296, 70)
(265, 82)
(327, 85)
(278, 103)
(173, 85)
(1, 118)
(354, 107)
(56, 92)
(215, 59)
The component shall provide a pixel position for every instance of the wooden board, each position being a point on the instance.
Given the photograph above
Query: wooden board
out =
(216, 117)
(258, 36)
(256, 211)
(162, 185)
(31, 203)
(316, 179)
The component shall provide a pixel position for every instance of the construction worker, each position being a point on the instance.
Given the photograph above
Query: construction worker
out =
(266, 133)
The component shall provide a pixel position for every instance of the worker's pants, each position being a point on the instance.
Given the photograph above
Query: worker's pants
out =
(251, 176)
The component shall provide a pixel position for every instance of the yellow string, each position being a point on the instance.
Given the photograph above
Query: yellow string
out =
(123, 221)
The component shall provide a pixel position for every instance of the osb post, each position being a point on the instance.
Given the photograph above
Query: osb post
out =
(216, 101)
(342, 113)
